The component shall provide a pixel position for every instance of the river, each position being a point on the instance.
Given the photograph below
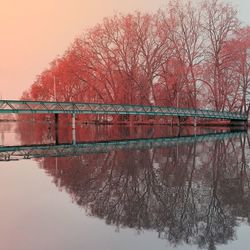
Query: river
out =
(123, 188)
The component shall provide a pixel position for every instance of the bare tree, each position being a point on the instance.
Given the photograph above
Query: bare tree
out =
(219, 23)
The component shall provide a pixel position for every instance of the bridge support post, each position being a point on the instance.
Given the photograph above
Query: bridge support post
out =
(56, 128)
(195, 121)
(195, 125)
(172, 121)
(179, 121)
(74, 128)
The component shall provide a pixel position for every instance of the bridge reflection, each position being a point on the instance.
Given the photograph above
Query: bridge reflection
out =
(8, 153)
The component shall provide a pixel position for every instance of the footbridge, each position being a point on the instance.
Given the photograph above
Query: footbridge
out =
(45, 107)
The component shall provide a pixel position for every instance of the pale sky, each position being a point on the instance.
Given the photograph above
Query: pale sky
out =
(34, 32)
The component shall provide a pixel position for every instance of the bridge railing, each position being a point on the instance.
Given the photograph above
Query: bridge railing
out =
(42, 107)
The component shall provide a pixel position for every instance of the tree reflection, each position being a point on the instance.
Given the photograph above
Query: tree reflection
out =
(193, 193)
(4, 128)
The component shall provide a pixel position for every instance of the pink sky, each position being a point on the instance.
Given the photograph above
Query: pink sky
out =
(33, 33)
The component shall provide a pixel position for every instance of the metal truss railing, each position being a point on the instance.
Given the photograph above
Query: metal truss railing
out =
(43, 107)
(8, 153)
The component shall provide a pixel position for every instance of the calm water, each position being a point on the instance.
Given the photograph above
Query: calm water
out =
(185, 194)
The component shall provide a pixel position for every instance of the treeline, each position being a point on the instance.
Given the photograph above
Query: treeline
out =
(187, 55)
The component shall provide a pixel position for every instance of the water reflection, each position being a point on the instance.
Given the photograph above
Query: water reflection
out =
(5, 132)
(193, 193)
(196, 192)
(46, 132)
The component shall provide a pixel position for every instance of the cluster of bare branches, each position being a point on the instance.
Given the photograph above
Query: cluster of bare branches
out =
(187, 55)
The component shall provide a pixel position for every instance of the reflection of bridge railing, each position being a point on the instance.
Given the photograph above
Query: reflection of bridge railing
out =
(36, 151)
(42, 107)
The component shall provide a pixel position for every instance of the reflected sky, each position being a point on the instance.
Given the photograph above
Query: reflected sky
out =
(184, 196)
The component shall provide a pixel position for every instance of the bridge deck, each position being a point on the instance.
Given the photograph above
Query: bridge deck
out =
(43, 107)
